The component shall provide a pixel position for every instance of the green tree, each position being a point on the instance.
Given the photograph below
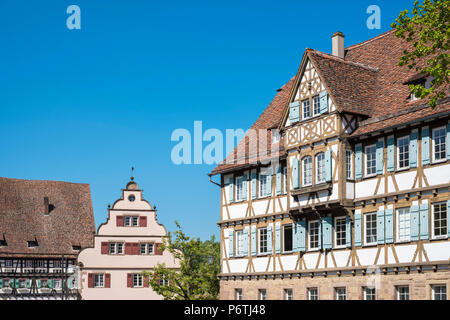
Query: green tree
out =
(199, 267)
(427, 28)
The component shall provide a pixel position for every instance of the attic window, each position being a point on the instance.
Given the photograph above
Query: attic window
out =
(76, 248)
(32, 244)
(3, 242)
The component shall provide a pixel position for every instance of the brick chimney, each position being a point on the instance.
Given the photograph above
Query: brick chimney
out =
(338, 44)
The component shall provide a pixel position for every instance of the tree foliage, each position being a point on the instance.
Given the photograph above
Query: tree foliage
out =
(427, 28)
(197, 278)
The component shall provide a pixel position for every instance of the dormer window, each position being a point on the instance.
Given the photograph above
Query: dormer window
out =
(76, 248)
(32, 244)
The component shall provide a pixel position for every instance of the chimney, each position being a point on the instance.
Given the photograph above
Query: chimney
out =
(338, 44)
(46, 206)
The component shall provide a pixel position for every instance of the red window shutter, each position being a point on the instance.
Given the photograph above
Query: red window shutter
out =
(142, 221)
(129, 280)
(146, 282)
(105, 248)
(136, 248)
(90, 280)
(107, 280)
(119, 221)
(157, 251)
(128, 248)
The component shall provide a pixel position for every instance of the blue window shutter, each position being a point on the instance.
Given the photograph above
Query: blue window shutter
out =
(50, 283)
(1, 283)
(358, 228)
(323, 101)
(380, 148)
(390, 154)
(245, 187)
(231, 189)
(358, 161)
(413, 149)
(348, 232)
(423, 221)
(414, 223)
(246, 243)
(28, 283)
(389, 225)
(425, 145)
(294, 111)
(380, 226)
(254, 191)
(302, 235)
(328, 166)
(296, 173)
(320, 233)
(38, 283)
(231, 243)
(16, 283)
(69, 283)
(269, 183)
(448, 144)
(253, 240)
(277, 238)
(448, 214)
(326, 229)
(278, 180)
(269, 239)
(295, 236)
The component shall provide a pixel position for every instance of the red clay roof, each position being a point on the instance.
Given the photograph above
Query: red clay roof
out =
(368, 81)
(70, 220)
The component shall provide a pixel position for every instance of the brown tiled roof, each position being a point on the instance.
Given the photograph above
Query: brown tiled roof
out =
(70, 220)
(368, 81)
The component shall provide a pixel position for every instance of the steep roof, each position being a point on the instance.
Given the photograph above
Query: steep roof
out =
(70, 220)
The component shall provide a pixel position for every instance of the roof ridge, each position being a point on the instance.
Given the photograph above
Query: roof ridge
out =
(40, 180)
(370, 40)
(330, 56)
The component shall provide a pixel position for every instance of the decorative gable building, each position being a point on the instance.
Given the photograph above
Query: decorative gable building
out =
(124, 246)
(43, 227)
(351, 199)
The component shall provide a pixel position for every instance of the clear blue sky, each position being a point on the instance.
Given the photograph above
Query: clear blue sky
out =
(85, 105)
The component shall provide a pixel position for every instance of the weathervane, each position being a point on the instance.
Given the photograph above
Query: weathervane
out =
(132, 173)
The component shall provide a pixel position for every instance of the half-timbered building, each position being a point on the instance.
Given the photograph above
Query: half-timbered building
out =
(43, 227)
(348, 197)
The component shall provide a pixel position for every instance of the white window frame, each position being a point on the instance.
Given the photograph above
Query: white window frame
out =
(398, 153)
(260, 241)
(434, 160)
(304, 104)
(309, 235)
(338, 294)
(433, 291)
(288, 294)
(399, 212)
(262, 178)
(262, 294)
(57, 284)
(304, 167)
(366, 167)
(239, 243)
(285, 179)
(349, 164)
(146, 246)
(365, 228)
(239, 188)
(292, 237)
(320, 167)
(99, 280)
(238, 295)
(131, 221)
(397, 289)
(163, 281)
(434, 236)
(365, 293)
(316, 293)
(138, 280)
(316, 99)
(116, 246)
(336, 232)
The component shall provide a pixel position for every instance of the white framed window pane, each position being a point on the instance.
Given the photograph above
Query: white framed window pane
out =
(288, 294)
(239, 187)
(320, 167)
(314, 235)
(403, 152)
(371, 228)
(137, 280)
(127, 221)
(341, 293)
(316, 103)
(313, 294)
(369, 293)
(263, 240)
(440, 219)
(348, 164)
(403, 292)
(112, 248)
(98, 280)
(307, 171)
(439, 292)
(238, 294)
(150, 248)
(119, 247)
(262, 185)
(340, 230)
(404, 224)
(285, 179)
(306, 109)
(262, 294)
(240, 242)
(371, 160)
(135, 221)
(439, 152)
(143, 248)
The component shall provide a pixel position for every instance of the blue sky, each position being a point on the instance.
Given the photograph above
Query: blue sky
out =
(85, 105)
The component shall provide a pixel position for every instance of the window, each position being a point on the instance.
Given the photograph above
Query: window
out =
(32, 244)
(99, 281)
(320, 167)
(137, 280)
(403, 152)
(306, 111)
(163, 281)
(439, 292)
(146, 248)
(239, 188)
(340, 225)
(371, 228)
(5, 283)
(263, 240)
(403, 293)
(115, 248)
(371, 160)
(22, 283)
(285, 179)
(238, 294)
(44, 283)
(58, 284)
(440, 220)
(240, 243)
(313, 294)
(307, 171)
(439, 144)
(313, 234)
(262, 294)
(348, 164)
(403, 224)
(369, 293)
(131, 221)
(262, 185)
(287, 238)
(316, 105)
(135, 221)
(127, 221)
(288, 294)
(340, 293)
